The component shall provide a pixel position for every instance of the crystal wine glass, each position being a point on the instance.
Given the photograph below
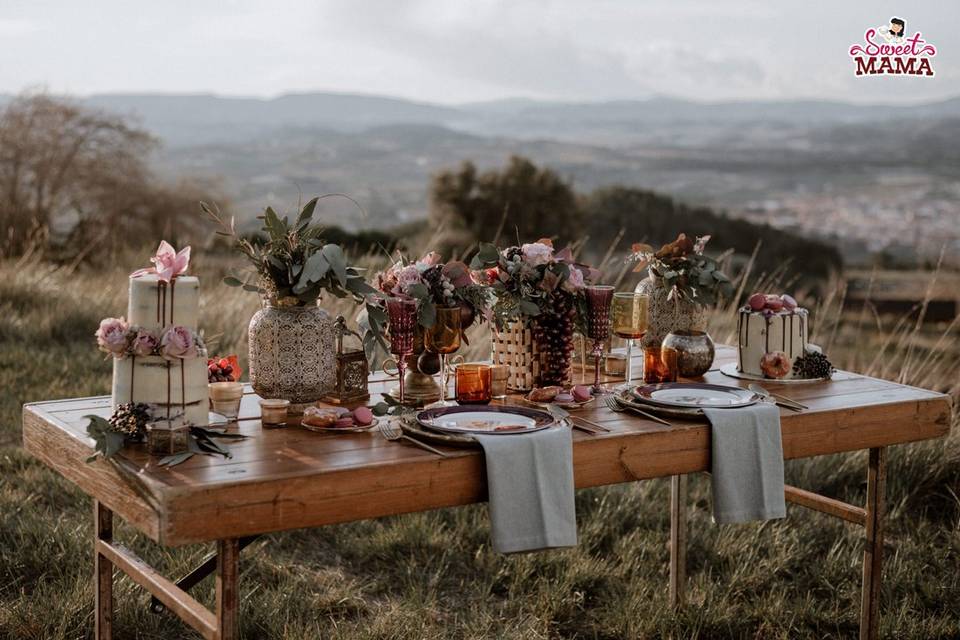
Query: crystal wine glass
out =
(443, 338)
(401, 323)
(599, 298)
(630, 322)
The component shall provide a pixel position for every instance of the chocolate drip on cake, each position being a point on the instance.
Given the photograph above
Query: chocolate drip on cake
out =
(133, 370)
(783, 333)
(168, 390)
(740, 341)
(183, 385)
(173, 287)
(766, 336)
(791, 335)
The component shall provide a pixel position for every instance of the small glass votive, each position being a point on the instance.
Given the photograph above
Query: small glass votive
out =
(659, 364)
(225, 398)
(499, 374)
(273, 412)
(168, 436)
(473, 383)
(615, 364)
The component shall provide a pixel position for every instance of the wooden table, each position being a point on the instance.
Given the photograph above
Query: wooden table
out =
(290, 478)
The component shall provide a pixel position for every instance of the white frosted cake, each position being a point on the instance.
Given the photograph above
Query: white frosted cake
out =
(772, 334)
(161, 311)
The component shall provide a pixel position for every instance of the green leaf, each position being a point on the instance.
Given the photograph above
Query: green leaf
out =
(529, 308)
(359, 286)
(427, 313)
(419, 291)
(307, 212)
(380, 409)
(314, 269)
(231, 281)
(252, 287)
(174, 460)
(334, 255)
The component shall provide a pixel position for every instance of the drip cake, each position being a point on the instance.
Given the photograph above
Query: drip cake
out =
(772, 336)
(159, 357)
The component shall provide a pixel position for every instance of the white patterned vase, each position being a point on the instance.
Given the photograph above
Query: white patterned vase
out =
(292, 354)
(667, 316)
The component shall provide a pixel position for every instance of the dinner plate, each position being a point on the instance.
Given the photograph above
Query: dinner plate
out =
(730, 369)
(695, 395)
(496, 419)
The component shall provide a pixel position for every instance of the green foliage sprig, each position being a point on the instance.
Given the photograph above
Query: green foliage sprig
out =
(684, 268)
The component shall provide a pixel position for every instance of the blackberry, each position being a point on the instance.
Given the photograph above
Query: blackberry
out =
(812, 364)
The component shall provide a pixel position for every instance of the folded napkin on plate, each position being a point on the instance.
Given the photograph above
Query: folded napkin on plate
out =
(747, 464)
(530, 482)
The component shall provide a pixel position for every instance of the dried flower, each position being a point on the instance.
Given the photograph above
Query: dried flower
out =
(178, 342)
(144, 343)
(113, 336)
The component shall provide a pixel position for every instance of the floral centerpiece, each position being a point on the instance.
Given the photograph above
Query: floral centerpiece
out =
(436, 284)
(682, 282)
(541, 288)
(292, 340)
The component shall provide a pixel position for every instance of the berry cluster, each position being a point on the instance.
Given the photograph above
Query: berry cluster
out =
(221, 370)
(553, 332)
(812, 364)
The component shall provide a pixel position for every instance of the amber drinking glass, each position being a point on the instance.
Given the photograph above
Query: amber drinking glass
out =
(599, 298)
(660, 364)
(629, 320)
(474, 384)
(443, 338)
(401, 323)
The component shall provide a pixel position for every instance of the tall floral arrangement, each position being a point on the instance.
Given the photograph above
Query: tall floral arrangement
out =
(533, 282)
(683, 267)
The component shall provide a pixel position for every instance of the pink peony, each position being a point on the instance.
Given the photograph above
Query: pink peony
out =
(536, 253)
(112, 336)
(144, 343)
(178, 342)
(168, 263)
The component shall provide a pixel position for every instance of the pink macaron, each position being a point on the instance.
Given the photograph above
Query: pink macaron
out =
(363, 416)
(344, 423)
(581, 393)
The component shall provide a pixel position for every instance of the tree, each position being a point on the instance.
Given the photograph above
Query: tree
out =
(71, 177)
(537, 202)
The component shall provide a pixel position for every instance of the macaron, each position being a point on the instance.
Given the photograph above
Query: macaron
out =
(757, 301)
(363, 416)
(564, 397)
(344, 423)
(774, 303)
(581, 393)
(788, 302)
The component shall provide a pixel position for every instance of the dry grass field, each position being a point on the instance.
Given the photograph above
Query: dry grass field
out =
(433, 575)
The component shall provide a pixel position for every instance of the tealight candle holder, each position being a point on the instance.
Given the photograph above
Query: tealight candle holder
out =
(273, 412)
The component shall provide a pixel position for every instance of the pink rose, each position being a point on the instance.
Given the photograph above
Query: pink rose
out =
(144, 343)
(409, 275)
(168, 263)
(178, 342)
(574, 281)
(112, 336)
(536, 253)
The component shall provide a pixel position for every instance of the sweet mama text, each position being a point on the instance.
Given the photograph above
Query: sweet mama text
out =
(911, 57)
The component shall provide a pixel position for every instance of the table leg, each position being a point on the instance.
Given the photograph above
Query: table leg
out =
(228, 592)
(678, 540)
(873, 550)
(102, 574)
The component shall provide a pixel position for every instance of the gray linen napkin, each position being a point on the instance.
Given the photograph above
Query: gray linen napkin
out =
(747, 464)
(530, 483)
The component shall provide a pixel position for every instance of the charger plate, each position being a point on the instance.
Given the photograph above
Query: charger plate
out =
(486, 420)
(688, 395)
(626, 397)
(411, 427)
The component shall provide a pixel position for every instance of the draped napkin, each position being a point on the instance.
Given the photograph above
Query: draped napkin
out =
(747, 471)
(530, 485)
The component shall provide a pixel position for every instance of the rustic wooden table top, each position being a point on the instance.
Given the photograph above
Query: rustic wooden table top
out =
(290, 478)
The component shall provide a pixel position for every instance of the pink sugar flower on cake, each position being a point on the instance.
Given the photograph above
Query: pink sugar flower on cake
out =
(168, 263)
(112, 336)
(178, 342)
(144, 343)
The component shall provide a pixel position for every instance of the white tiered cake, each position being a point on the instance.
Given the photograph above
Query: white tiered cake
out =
(171, 386)
(771, 336)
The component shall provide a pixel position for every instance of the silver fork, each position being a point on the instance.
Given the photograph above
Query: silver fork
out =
(614, 404)
(391, 431)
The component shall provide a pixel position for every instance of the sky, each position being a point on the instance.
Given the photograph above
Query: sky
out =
(453, 51)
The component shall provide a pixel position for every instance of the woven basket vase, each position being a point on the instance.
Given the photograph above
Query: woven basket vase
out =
(516, 348)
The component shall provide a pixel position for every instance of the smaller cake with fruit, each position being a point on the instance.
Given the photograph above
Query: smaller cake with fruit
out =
(772, 342)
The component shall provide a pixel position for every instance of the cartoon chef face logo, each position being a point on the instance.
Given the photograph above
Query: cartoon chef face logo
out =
(894, 32)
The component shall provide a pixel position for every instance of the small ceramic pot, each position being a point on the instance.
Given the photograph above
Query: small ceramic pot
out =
(695, 351)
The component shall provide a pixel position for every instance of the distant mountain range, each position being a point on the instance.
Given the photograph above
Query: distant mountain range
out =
(207, 118)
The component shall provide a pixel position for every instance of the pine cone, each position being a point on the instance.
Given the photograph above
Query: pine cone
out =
(130, 419)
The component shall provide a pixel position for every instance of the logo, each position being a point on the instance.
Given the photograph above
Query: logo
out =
(888, 50)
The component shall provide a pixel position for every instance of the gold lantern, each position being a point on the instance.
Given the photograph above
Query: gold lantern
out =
(352, 370)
